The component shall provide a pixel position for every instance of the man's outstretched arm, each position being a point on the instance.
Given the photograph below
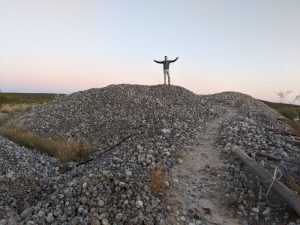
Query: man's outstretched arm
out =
(158, 61)
(174, 60)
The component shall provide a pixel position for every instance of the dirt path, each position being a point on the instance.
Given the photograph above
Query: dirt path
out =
(198, 181)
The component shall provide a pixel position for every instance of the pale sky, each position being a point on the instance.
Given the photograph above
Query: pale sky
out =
(250, 46)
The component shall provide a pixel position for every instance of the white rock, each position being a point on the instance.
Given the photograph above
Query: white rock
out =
(175, 180)
(104, 222)
(167, 184)
(255, 210)
(139, 204)
(166, 131)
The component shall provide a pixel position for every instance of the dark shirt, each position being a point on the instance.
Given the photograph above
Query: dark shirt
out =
(166, 63)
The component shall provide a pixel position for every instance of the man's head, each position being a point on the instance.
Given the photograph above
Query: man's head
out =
(166, 57)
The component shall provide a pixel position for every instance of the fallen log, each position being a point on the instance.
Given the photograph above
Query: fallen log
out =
(283, 191)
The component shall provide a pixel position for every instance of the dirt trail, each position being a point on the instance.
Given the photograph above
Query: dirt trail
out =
(198, 181)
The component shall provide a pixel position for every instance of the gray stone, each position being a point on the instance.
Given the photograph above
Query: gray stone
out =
(95, 222)
(119, 217)
(26, 213)
(50, 218)
(101, 203)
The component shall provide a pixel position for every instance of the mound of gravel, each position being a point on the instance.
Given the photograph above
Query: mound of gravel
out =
(141, 126)
(135, 129)
(107, 115)
(257, 132)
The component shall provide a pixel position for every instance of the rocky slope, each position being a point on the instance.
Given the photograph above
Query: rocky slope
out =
(143, 127)
(108, 114)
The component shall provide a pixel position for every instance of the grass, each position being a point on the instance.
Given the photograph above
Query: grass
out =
(3, 121)
(16, 103)
(15, 108)
(13, 103)
(157, 181)
(294, 125)
(29, 98)
(289, 111)
(64, 151)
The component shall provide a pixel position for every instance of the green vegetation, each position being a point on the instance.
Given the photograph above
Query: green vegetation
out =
(289, 111)
(15, 103)
(29, 98)
(294, 125)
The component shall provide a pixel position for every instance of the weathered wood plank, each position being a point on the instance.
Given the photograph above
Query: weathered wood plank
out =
(289, 196)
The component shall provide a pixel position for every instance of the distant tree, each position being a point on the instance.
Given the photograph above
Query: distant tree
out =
(282, 94)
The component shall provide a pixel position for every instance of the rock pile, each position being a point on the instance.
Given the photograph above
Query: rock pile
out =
(141, 126)
(135, 129)
(109, 114)
(254, 132)
(25, 176)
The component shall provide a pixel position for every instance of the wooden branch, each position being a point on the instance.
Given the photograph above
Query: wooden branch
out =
(282, 132)
(105, 151)
(273, 157)
(278, 158)
(296, 142)
(111, 147)
(281, 118)
(283, 191)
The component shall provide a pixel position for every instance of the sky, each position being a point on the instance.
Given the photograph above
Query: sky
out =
(63, 46)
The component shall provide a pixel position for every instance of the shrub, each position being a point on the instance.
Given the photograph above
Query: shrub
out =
(157, 180)
(77, 150)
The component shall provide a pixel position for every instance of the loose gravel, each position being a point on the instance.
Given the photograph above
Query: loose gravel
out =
(135, 129)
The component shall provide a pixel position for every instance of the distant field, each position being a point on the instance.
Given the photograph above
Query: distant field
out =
(288, 110)
(291, 112)
(28, 98)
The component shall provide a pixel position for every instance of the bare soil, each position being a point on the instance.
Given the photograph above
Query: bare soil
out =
(198, 179)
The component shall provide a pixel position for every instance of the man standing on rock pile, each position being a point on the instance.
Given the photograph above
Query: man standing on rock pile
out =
(166, 64)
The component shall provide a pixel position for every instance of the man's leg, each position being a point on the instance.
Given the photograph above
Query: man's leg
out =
(165, 74)
(168, 72)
